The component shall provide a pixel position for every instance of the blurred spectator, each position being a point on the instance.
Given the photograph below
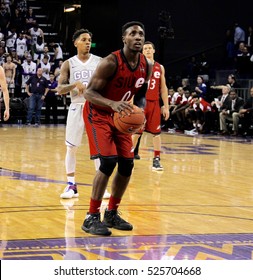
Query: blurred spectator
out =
(51, 100)
(22, 6)
(249, 39)
(203, 66)
(5, 19)
(36, 88)
(3, 44)
(245, 115)
(11, 38)
(29, 69)
(192, 68)
(45, 52)
(17, 20)
(45, 66)
(57, 70)
(39, 48)
(21, 44)
(2, 37)
(232, 81)
(243, 64)
(35, 32)
(18, 77)
(229, 49)
(58, 54)
(201, 88)
(30, 19)
(10, 73)
(239, 35)
(186, 84)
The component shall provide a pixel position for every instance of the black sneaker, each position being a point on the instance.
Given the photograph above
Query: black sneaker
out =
(157, 165)
(93, 225)
(137, 156)
(113, 220)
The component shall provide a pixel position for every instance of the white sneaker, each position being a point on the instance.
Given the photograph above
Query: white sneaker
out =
(106, 194)
(70, 191)
(171, 130)
(191, 132)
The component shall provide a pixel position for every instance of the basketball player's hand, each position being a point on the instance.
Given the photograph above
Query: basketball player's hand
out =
(165, 113)
(122, 106)
(6, 115)
(81, 87)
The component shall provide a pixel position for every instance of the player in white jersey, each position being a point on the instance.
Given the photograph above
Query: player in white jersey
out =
(75, 75)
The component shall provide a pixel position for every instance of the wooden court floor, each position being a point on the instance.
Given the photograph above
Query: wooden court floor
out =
(200, 207)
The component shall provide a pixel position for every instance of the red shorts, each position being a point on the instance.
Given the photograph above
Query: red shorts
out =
(104, 138)
(153, 117)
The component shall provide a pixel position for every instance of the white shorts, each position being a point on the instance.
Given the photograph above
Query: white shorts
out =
(75, 125)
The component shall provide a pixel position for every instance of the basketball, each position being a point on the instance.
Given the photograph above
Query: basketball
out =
(129, 124)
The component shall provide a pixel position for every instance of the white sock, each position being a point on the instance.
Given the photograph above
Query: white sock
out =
(71, 179)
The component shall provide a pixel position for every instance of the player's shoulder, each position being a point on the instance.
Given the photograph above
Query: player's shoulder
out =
(95, 57)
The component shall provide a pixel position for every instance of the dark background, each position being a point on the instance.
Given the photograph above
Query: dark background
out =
(199, 27)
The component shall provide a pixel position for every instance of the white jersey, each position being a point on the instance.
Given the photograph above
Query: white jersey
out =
(35, 34)
(10, 43)
(28, 69)
(46, 69)
(21, 46)
(79, 71)
(38, 50)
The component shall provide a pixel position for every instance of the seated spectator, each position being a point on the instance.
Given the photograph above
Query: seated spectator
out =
(232, 81)
(245, 115)
(229, 113)
(211, 118)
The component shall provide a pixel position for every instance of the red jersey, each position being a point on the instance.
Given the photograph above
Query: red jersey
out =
(153, 92)
(126, 81)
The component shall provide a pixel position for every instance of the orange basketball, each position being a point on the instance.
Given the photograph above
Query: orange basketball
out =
(129, 124)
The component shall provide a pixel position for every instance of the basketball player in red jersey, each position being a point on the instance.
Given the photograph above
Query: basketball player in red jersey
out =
(118, 77)
(6, 97)
(157, 87)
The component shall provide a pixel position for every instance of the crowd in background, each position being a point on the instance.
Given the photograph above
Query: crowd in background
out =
(193, 100)
(23, 49)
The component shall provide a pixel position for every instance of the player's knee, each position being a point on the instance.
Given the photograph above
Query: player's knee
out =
(125, 166)
(107, 165)
(71, 149)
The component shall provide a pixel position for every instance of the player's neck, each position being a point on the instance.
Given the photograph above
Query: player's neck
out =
(84, 57)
